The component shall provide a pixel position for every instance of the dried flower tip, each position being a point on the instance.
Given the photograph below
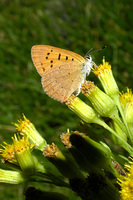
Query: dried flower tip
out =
(63, 162)
(70, 100)
(50, 151)
(87, 87)
(65, 139)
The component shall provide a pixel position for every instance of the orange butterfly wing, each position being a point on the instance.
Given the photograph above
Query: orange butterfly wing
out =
(61, 70)
(66, 80)
(45, 57)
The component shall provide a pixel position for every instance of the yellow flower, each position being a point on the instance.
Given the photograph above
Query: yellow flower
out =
(18, 156)
(25, 127)
(88, 115)
(101, 68)
(126, 97)
(23, 148)
(127, 183)
(22, 144)
(126, 100)
(105, 75)
(8, 154)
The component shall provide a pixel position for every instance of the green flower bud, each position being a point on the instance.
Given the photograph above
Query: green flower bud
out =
(105, 75)
(98, 156)
(11, 177)
(25, 127)
(102, 103)
(128, 111)
(85, 112)
(22, 148)
(63, 162)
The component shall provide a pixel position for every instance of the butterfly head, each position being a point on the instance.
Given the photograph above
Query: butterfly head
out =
(88, 58)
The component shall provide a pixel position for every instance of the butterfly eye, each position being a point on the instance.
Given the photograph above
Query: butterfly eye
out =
(89, 58)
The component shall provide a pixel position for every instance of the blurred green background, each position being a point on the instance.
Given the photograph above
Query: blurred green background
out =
(76, 25)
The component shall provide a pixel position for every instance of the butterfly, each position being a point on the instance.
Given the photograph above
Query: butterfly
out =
(62, 71)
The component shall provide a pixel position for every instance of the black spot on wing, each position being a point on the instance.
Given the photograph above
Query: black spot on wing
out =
(59, 56)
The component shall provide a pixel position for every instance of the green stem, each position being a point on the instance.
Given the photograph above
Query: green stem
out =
(120, 123)
(125, 145)
(116, 99)
(53, 179)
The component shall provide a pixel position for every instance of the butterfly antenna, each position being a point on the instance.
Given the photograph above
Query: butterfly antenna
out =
(89, 51)
(94, 50)
(99, 49)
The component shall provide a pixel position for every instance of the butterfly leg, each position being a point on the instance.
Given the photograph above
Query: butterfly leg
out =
(77, 91)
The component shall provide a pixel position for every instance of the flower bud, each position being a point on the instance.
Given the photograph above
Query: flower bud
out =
(63, 162)
(22, 148)
(11, 177)
(85, 112)
(25, 127)
(102, 103)
(98, 156)
(105, 75)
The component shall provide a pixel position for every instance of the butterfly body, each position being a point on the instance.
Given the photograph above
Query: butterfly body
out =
(62, 71)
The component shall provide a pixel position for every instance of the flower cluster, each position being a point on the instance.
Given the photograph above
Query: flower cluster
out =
(91, 165)
(127, 182)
